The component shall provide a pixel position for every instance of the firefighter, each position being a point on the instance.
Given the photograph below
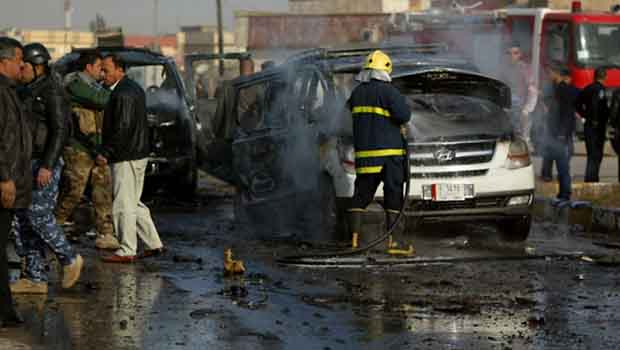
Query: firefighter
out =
(379, 112)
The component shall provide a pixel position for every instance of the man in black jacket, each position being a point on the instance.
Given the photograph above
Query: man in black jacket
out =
(125, 147)
(47, 108)
(561, 127)
(592, 106)
(379, 112)
(15, 152)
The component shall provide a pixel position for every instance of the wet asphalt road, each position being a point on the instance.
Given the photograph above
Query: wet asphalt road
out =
(183, 301)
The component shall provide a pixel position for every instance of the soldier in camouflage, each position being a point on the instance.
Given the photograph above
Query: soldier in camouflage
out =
(47, 108)
(88, 100)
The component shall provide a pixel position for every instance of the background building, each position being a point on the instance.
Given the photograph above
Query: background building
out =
(58, 42)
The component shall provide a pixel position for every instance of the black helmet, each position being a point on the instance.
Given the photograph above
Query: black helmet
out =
(36, 53)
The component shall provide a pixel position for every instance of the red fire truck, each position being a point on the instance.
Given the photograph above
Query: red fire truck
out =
(581, 41)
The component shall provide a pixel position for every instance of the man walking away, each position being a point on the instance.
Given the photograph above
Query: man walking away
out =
(561, 127)
(15, 153)
(126, 147)
(48, 111)
(88, 100)
(592, 106)
(379, 111)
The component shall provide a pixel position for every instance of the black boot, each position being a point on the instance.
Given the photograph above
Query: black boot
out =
(342, 224)
(390, 218)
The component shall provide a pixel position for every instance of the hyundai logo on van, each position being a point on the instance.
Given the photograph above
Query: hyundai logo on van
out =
(445, 155)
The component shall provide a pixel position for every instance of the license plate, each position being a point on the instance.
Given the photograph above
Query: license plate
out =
(448, 192)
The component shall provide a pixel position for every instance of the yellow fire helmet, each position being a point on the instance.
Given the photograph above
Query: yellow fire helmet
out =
(379, 60)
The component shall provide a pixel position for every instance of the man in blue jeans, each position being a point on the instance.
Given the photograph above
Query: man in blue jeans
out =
(561, 127)
(45, 104)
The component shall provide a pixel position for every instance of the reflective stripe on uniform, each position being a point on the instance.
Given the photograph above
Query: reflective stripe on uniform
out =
(370, 109)
(380, 153)
(369, 170)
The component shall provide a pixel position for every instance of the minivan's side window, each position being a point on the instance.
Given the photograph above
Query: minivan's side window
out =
(250, 107)
(556, 41)
(263, 105)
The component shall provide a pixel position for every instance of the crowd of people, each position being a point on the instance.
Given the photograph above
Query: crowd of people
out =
(548, 120)
(56, 136)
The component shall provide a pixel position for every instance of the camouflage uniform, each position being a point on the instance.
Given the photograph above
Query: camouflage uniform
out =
(88, 98)
(38, 228)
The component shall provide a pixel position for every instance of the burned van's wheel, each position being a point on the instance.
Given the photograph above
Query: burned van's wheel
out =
(333, 211)
(242, 216)
(516, 230)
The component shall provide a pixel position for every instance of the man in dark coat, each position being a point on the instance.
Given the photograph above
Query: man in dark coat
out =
(47, 108)
(125, 146)
(592, 106)
(15, 153)
(561, 127)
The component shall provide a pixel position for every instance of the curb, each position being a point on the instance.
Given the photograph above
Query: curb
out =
(583, 213)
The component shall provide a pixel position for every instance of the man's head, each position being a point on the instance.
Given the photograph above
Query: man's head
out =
(600, 74)
(113, 69)
(246, 67)
(11, 58)
(91, 63)
(36, 59)
(565, 75)
(514, 51)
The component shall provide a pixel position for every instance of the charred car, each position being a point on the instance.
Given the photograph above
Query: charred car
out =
(172, 121)
(288, 142)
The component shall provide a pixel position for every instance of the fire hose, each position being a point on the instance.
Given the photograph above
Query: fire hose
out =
(331, 258)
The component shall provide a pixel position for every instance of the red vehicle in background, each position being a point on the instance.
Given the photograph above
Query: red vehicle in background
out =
(581, 41)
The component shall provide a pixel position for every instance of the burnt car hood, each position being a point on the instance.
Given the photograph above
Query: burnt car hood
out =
(463, 121)
(454, 82)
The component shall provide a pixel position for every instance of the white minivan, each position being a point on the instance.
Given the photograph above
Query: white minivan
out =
(466, 162)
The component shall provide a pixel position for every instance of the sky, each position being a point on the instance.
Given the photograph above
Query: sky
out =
(135, 16)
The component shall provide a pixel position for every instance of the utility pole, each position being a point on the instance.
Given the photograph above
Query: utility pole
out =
(220, 35)
(156, 47)
(156, 24)
(68, 10)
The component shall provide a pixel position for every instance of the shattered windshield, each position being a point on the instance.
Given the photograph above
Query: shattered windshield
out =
(598, 45)
(449, 115)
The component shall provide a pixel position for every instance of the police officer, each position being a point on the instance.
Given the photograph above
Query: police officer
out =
(379, 111)
(592, 106)
(47, 107)
(88, 99)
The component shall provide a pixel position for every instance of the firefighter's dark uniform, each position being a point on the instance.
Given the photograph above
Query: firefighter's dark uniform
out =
(379, 111)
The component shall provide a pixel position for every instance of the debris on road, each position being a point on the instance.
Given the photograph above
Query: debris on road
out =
(612, 245)
(231, 266)
(186, 259)
(201, 313)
